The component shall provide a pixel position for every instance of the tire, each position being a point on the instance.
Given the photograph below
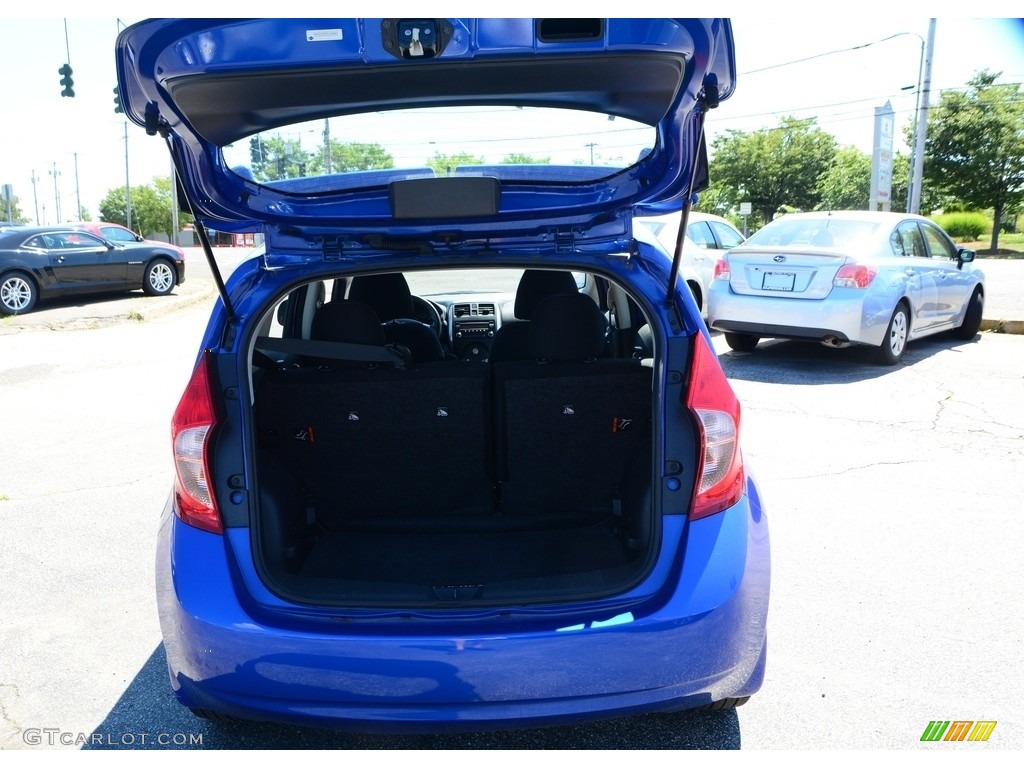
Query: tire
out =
(741, 342)
(697, 297)
(159, 278)
(891, 350)
(18, 294)
(971, 324)
(716, 706)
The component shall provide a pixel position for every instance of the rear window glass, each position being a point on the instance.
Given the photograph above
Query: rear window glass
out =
(815, 233)
(511, 143)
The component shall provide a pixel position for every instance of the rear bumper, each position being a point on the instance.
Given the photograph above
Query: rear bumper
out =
(701, 640)
(847, 314)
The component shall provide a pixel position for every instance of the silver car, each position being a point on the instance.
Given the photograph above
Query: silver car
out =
(707, 238)
(847, 277)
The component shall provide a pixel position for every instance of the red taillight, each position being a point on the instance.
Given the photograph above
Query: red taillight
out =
(720, 474)
(194, 419)
(854, 276)
(722, 270)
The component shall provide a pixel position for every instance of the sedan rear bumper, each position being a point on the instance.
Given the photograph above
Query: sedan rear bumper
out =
(847, 315)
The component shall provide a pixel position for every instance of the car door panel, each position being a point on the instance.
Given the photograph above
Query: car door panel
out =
(81, 262)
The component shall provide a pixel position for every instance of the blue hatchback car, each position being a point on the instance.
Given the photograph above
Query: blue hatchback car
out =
(457, 452)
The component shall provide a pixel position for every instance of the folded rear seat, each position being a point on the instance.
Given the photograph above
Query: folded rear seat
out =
(570, 424)
(372, 442)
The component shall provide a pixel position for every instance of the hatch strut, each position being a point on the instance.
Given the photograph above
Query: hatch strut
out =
(706, 99)
(204, 239)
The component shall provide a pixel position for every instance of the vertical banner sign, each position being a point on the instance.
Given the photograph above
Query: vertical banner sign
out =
(881, 159)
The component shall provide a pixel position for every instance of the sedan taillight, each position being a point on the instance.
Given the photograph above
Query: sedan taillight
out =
(854, 276)
(193, 421)
(722, 270)
(711, 399)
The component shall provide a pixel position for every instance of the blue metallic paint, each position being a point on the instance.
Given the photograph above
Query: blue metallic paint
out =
(699, 638)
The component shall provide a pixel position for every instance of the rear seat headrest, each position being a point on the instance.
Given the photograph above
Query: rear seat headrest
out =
(388, 295)
(538, 284)
(347, 321)
(567, 327)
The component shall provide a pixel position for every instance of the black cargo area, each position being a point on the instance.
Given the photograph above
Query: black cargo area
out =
(454, 480)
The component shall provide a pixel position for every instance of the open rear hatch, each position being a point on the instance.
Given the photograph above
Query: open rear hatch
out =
(458, 482)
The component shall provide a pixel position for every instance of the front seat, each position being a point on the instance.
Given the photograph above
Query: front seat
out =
(511, 341)
(389, 296)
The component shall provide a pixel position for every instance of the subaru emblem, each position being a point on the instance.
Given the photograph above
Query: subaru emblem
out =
(780, 258)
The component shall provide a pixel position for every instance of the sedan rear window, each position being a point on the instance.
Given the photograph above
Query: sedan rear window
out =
(815, 233)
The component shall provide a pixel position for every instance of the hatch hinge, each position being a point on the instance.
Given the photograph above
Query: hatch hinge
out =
(333, 247)
(154, 123)
(565, 241)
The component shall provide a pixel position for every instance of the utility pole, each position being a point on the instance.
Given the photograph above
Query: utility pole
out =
(922, 122)
(174, 204)
(56, 195)
(35, 197)
(78, 190)
(127, 184)
(327, 145)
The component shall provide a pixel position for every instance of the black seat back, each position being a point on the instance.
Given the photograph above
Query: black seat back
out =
(569, 423)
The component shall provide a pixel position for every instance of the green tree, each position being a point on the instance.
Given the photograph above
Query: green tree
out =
(774, 167)
(151, 207)
(975, 147)
(718, 199)
(274, 158)
(114, 208)
(444, 165)
(519, 158)
(13, 214)
(348, 156)
(846, 184)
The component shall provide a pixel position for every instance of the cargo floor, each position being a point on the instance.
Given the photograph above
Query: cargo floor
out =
(569, 557)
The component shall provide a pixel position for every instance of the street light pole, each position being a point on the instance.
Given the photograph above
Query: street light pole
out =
(921, 133)
(911, 184)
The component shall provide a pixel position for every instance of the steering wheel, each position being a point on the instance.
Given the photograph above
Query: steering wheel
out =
(428, 314)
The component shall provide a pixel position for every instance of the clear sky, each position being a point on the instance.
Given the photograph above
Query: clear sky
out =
(42, 133)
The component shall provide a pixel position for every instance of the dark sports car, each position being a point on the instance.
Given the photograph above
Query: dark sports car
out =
(42, 262)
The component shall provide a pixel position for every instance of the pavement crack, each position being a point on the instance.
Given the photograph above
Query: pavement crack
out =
(833, 473)
(10, 727)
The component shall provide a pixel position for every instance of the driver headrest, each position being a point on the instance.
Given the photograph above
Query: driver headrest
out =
(388, 295)
(347, 321)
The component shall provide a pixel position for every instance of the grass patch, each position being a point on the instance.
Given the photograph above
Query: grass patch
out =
(1011, 246)
(136, 316)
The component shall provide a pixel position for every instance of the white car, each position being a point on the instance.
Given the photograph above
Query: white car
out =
(707, 239)
(847, 277)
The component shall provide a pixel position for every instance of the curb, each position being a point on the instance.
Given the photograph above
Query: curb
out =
(1003, 326)
(143, 310)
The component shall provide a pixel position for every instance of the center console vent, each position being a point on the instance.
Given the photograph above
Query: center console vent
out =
(473, 310)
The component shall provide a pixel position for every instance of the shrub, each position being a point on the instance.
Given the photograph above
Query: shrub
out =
(964, 226)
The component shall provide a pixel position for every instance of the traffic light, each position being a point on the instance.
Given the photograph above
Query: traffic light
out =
(66, 81)
(117, 101)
